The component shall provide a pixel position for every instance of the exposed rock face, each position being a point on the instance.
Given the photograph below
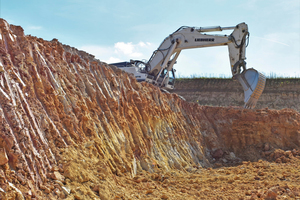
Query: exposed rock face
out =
(67, 119)
(278, 93)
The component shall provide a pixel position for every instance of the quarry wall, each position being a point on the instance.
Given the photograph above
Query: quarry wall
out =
(278, 94)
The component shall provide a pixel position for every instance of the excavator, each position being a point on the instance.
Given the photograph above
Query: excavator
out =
(160, 72)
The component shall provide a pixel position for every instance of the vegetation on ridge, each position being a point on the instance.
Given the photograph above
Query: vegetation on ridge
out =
(271, 75)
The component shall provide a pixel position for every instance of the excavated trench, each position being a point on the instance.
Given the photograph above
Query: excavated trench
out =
(73, 127)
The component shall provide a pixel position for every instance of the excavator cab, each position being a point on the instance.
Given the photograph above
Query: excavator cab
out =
(166, 79)
(172, 77)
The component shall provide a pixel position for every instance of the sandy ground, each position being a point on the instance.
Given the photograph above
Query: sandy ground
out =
(278, 178)
(257, 180)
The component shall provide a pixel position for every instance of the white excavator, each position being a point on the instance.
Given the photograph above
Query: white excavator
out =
(159, 69)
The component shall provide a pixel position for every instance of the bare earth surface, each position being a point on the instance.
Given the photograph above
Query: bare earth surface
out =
(73, 127)
(247, 180)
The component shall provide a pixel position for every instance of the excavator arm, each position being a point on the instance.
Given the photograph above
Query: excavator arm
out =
(157, 69)
(163, 59)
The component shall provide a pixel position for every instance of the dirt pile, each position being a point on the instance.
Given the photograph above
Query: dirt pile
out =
(73, 127)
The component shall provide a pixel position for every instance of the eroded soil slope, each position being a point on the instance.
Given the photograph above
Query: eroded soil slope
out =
(73, 127)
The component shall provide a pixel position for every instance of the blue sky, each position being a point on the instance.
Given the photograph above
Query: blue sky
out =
(119, 30)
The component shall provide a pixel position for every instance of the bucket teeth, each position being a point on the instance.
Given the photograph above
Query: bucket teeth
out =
(253, 84)
(251, 103)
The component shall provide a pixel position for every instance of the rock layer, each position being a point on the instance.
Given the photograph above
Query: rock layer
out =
(62, 112)
(278, 93)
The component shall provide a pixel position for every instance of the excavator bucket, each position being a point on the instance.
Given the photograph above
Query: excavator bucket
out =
(253, 84)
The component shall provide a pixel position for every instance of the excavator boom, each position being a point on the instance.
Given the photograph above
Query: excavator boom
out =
(159, 68)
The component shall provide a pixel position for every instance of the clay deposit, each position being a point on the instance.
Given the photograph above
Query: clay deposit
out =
(73, 127)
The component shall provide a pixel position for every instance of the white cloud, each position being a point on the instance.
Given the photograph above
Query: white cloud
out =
(142, 44)
(134, 51)
(121, 51)
(113, 60)
(126, 48)
(100, 52)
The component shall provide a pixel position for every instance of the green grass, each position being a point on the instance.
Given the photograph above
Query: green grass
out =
(204, 76)
(271, 75)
